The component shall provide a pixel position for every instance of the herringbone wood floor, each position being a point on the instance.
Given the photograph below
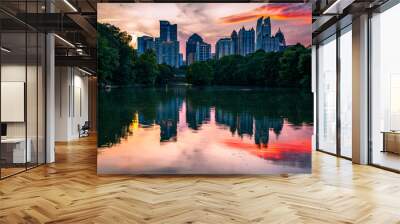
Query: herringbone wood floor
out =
(69, 191)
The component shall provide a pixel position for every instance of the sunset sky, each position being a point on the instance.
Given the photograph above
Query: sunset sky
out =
(210, 20)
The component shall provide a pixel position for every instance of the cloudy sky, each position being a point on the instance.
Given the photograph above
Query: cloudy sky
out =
(210, 20)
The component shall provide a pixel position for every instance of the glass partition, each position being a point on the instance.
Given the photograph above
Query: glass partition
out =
(385, 89)
(31, 98)
(22, 88)
(13, 95)
(327, 95)
(346, 92)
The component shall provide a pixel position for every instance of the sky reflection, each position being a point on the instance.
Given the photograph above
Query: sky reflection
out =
(188, 139)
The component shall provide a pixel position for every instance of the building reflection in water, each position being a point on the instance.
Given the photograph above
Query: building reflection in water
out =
(178, 133)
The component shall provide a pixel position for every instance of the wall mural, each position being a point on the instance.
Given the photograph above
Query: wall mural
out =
(204, 88)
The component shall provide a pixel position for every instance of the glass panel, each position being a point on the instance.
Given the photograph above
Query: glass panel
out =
(41, 98)
(327, 95)
(31, 98)
(346, 93)
(385, 89)
(13, 89)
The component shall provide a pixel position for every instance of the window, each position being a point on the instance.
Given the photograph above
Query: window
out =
(22, 88)
(345, 92)
(327, 95)
(385, 89)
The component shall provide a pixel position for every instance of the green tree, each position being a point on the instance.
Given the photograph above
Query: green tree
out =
(289, 75)
(200, 73)
(225, 69)
(255, 68)
(146, 68)
(165, 74)
(107, 60)
(115, 55)
(304, 68)
(271, 68)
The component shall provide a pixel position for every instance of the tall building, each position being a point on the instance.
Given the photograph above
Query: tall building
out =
(180, 60)
(145, 43)
(191, 45)
(169, 53)
(197, 49)
(167, 45)
(264, 38)
(224, 47)
(246, 41)
(168, 32)
(263, 29)
(235, 42)
(203, 51)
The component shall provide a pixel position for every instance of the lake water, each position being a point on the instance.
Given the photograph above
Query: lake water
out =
(213, 130)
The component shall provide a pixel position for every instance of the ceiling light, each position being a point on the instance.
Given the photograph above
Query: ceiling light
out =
(64, 40)
(337, 7)
(5, 50)
(70, 5)
(86, 72)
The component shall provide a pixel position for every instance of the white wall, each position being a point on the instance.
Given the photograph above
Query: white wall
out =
(71, 102)
(33, 126)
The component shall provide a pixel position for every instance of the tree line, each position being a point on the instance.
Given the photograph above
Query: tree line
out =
(119, 64)
(289, 68)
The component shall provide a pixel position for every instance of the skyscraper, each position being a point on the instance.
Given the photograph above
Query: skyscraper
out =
(167, 45)
(224, 47)
(246, 40)
(168, 32)
(145, 43)
(169, 53)
(235, 42)
(180, 63)
(197, 49)
(191, 45)
(203, 51)
(265, 40)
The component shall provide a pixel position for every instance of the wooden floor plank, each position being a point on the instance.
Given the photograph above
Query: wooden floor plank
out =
(69, 191)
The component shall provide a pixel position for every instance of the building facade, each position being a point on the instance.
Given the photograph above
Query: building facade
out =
(191, 45)
(246, 41)
(203, 51)
(168, 53)
(197, 49)
(166, 46)
(235, 42)
(224, 47)
(145, 43)
(168, 32)
(264, 38)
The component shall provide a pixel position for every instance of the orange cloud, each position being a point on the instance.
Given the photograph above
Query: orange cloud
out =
(273, 151)
(301, 13)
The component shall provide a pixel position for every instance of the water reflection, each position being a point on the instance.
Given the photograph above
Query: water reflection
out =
(211, 130)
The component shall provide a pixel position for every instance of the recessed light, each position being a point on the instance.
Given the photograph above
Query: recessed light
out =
(5, 50)
(64, 40)
(70, 5)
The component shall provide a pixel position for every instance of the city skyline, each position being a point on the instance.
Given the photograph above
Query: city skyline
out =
(292, 19)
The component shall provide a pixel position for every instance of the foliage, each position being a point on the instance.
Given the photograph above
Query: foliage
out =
(119, 64)
(165, 74)
(290, 68)
(115, 56)
(146, 68)
(200, 73)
